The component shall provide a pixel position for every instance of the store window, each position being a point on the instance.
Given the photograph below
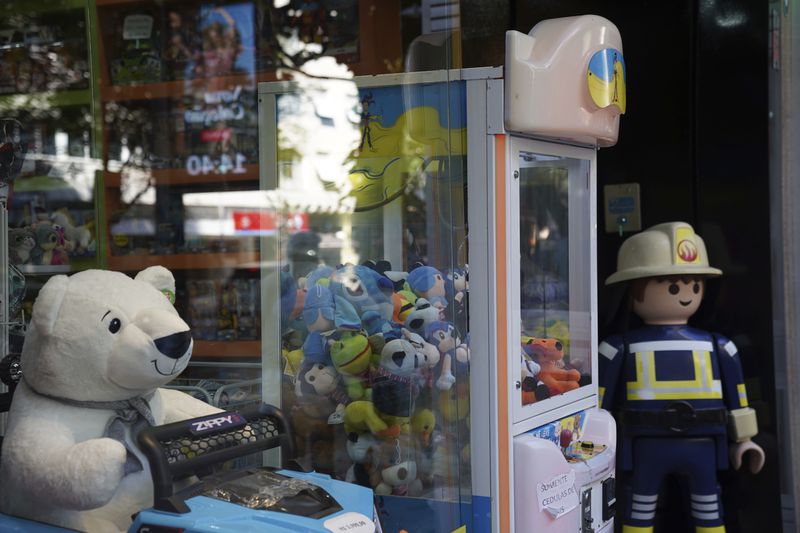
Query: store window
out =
(300, 168)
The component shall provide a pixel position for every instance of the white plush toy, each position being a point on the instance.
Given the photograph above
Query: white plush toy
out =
(99, 346)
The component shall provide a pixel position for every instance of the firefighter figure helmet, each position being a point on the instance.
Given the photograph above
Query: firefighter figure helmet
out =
(668, 249)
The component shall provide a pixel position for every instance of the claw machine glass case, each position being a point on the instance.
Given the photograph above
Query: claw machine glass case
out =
(552, 297)
(428, 285)
(365, 272)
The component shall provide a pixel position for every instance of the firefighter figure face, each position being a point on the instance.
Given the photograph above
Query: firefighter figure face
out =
(667, 300)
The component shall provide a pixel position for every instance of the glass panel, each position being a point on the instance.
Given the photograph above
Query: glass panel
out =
(554, 276)
(49, 144)
(373, 282)
(140, 119)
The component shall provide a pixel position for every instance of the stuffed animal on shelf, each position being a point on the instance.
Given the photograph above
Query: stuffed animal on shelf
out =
(49, 249)
(549, 354)
(99, 347)
(78, 238)
(21, 242)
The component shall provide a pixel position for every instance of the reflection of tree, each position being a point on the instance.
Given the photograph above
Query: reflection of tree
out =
(294, 34)
(318, 129)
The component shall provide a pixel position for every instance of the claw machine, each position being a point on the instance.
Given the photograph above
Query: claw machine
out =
(429, 287)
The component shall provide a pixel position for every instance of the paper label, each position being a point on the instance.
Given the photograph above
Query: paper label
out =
(137, 27)
(350, 523)
(558, 496)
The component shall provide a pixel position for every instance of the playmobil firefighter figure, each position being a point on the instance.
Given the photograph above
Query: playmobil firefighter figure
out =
(678, 391)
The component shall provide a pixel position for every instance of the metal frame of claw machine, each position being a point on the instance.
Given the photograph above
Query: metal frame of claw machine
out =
(468, 88)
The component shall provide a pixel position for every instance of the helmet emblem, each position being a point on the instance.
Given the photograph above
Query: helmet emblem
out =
(687, 250)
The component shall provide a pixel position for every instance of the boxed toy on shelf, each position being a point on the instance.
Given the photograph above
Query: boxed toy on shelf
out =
(223, 310)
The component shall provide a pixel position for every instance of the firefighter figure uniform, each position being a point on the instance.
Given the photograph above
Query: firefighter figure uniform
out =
(678, 391)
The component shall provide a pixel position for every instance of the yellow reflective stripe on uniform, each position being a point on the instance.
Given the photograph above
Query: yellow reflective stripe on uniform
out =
(601, 391)
(634, 529)
(742, 395)
(648, 387)
(651, 395)
(715, 529)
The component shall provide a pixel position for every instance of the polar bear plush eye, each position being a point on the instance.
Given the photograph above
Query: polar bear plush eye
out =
(114, 326)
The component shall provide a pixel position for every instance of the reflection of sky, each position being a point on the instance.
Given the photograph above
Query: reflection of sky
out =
(242, 14)
(390, 102)
(602, 63)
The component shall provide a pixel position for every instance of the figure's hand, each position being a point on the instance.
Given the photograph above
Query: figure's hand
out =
(753, 451)
(445, 381)
(101, 465)
(462, 353)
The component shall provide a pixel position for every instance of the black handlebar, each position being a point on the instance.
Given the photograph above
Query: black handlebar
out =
(181, 449)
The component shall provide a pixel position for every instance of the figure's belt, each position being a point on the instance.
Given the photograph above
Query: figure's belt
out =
(677, 417)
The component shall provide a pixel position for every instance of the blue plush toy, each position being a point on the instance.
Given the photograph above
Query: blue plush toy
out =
(427, 282)
(322, 311)
(444, 337)
(374, 324)
(366, 289)
(456, 284)
(319, 276)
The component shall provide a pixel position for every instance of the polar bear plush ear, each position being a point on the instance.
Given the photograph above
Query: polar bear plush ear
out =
(160, 278)
(48, 303)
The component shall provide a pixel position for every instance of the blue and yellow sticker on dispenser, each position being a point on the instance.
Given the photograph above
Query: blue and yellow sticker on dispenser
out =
(606, 79)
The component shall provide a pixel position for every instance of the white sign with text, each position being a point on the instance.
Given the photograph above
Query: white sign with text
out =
(558, 496)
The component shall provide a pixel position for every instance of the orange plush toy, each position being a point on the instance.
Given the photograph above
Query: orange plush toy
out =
(549, 353)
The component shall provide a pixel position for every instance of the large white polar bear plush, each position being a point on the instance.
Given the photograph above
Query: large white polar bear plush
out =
(99, 346)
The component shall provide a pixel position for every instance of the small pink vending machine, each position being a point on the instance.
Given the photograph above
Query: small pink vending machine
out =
(564, 92)
(429, 282)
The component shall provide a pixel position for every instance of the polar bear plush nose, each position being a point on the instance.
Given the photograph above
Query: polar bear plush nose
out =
(171, 335)
(174, 346)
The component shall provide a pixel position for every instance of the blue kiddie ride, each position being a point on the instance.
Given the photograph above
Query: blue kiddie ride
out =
(245, 500)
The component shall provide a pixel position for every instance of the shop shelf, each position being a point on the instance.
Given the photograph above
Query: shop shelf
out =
(177, 89)
(226, 349)
(180, 176)
(102, 3)
(198, 261)
(11, 7)
(45, 100)
(46, 270)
